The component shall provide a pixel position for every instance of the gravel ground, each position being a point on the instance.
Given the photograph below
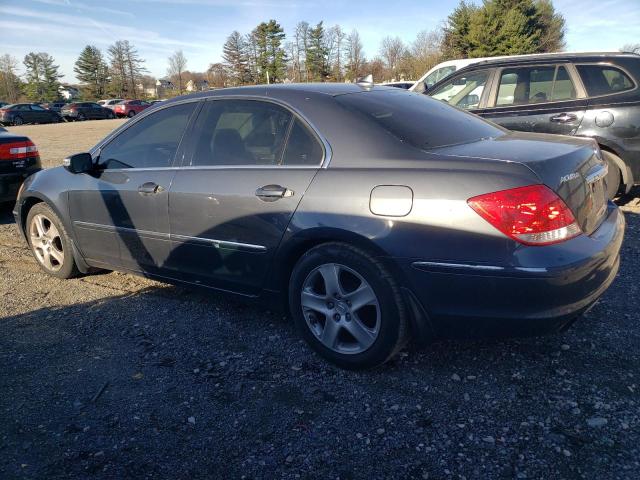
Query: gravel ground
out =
(114, 376)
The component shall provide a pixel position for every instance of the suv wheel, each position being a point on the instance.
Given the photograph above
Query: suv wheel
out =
(18, 120)
(347, 306)
(49, 242)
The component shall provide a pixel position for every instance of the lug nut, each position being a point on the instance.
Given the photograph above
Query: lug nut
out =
(348, 317)
(330, 305)
(336, 317)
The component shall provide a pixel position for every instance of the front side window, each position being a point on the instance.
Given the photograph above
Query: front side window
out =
(603, 79)
(437, 75)
(149, 143)
(463, 91)
(530, 85)
(37, 108)
(241, 132)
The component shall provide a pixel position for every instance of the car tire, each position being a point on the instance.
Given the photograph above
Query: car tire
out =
(131, 113)
(18, 120)
(110, 116)
(81, 117)
(49, 242)
(359, 337)
(614, 177)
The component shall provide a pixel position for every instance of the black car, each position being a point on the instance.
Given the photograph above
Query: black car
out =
(86, 111)
(375, 214)
(54, 106)
(20, 113)
(593, 95)
(19, 158)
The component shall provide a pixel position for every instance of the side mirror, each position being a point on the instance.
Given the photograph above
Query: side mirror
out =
(78, 163)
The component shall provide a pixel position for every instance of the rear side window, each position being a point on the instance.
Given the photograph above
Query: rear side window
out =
(302, 147)
(418, 119)
(149, 143)
(604, 79)
(527, 85)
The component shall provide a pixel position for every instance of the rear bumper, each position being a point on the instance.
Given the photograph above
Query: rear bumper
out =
(542, 290)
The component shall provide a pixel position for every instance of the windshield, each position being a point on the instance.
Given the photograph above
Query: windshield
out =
(419, 120)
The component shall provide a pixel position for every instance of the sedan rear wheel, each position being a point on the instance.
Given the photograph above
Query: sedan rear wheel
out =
(131, 113)
(347, 306)
(49, 242)
(18, 121)
(81, 117)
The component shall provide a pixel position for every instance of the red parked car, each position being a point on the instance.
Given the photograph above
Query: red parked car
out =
(128, 108)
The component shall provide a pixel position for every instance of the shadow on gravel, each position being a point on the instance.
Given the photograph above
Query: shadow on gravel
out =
(6, 215)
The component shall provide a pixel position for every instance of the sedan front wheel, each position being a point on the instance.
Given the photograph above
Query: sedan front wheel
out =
(347, 306)
(50, 243)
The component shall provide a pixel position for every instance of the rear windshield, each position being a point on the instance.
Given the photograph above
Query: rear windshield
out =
(418, 119)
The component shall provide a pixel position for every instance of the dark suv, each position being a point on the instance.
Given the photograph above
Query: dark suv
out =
(584, 94)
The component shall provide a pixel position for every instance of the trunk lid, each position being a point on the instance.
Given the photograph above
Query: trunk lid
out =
(572, 167)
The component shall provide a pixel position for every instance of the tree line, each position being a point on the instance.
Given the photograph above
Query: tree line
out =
(311, 53)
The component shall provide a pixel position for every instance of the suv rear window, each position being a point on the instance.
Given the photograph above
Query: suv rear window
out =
(604, 79)
(418, 119)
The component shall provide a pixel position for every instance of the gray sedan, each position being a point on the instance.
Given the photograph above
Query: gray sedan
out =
(374, 215)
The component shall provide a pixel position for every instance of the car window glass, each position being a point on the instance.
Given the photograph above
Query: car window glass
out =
(241, 132)
(463, 91)
(302, 147)
(603, 79)
(437, 75)
(419, 120)
(23, 107)
(149, 143)
(529, 85)
(36, 107)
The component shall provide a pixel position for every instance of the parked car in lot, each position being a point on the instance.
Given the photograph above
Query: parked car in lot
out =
(440, 72)
(86, 111)
(129, 108)
(2, 104)
(19, 158)
(110, 103)
(54, 106)
(377, 215)
(582, 94)
(20, 113)
(405, 85)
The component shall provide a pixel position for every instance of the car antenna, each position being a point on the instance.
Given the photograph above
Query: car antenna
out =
(365, 82)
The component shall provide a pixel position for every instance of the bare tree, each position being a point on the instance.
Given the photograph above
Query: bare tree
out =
(9, 81)
(354, 56)
(631, 48)
(392, 51)
(424, 53)
(217, 75)
(177, 67)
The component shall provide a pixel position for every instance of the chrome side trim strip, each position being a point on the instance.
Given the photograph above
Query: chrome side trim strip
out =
(457, 265)
(220, 243)
(490, 268)
(165, 236)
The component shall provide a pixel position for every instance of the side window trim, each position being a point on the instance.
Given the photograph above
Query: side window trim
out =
(96, 151)
(295, 114)
(614, 66)
(573, 75)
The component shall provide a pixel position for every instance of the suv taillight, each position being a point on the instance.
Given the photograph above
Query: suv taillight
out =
(18, 150)
(533, 215)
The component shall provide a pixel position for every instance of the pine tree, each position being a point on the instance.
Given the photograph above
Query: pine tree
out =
(270, 55)
(92, 71)
(43, 78)
(236, 59)
(317, 54)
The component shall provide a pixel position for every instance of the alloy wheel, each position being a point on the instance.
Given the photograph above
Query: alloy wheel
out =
(46, 243)
(17, 121)
(341, 308)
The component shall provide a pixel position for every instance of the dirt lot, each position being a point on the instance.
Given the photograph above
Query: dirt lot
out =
(114, 376)
(56, 141)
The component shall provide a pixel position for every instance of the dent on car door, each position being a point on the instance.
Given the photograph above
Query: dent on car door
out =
(251, 163)
(543, 99)
(120, 210)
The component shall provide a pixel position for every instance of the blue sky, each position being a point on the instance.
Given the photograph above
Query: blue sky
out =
(199, 27)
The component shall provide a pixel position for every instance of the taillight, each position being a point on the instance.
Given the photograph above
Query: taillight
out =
(533, 215)
(18, 150)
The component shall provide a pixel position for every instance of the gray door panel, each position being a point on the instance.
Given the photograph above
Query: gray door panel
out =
(222, 234)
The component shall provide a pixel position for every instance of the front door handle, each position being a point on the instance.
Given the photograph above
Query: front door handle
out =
(270, 193)
(564, 118)
(150, 188)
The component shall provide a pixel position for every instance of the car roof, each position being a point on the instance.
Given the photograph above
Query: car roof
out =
(542, 57)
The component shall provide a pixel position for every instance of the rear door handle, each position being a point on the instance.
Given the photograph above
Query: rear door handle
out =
(564, 118)
(150, 188)
(273, 192)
